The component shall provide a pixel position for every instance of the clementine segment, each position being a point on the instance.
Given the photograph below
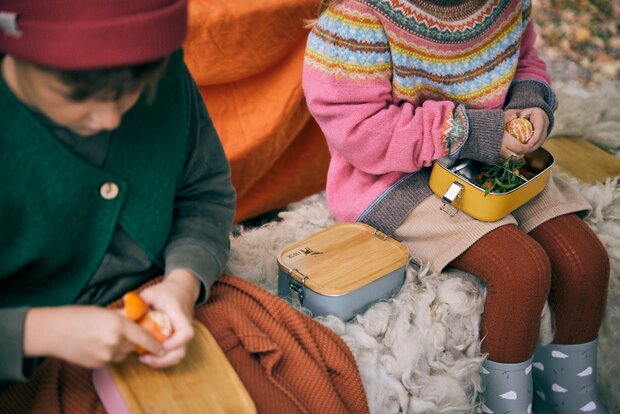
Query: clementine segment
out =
(521, 129)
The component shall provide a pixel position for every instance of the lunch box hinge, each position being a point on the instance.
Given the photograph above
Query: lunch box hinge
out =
(454, 193)
(379, 235)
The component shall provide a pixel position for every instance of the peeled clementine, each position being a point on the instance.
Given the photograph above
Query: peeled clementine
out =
(521, 129)
(155, 322)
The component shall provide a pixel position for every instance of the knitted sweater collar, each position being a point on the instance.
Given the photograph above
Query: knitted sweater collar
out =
(444, 10)
(447, 3)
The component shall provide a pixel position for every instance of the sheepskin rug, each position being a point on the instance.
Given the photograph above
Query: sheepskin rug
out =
(419, 352)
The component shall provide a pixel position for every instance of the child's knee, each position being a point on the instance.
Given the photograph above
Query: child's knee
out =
(584, 268)
(526, 280)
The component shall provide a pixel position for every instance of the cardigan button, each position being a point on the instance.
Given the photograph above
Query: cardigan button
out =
(109, 191)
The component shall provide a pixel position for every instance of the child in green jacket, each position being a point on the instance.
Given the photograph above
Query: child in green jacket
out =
(112, 175)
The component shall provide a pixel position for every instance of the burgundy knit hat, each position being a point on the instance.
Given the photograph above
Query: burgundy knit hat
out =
(91, 34)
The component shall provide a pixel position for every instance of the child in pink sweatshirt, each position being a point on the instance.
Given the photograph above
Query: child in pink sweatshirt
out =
(398, 84)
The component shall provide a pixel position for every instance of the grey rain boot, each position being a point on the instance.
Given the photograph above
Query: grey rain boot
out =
(508, 387)
(565, 379)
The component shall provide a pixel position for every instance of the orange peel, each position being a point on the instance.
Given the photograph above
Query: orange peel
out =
(134, 307)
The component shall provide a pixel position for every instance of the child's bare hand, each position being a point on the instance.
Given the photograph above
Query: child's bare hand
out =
(89, 336)
(511, 146)
(175, 296)
(540, 123)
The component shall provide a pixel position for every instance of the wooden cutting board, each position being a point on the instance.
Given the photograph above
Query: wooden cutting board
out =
(203, 383)
(582, 159)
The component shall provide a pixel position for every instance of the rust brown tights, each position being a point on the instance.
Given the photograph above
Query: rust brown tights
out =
(561, 260)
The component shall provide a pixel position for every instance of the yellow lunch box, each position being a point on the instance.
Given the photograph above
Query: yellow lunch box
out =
(457, 186)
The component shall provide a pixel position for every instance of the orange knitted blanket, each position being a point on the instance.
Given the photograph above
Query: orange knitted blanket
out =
(246, 57)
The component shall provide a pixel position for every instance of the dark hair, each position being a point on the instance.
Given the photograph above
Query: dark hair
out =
(110, 83)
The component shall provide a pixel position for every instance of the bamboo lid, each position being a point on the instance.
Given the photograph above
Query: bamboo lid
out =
(203, 383)
(342, 258)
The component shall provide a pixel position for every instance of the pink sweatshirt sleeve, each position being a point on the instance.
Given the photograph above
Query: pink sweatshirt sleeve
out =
(532, 84)
(347, 84)
(530, 65)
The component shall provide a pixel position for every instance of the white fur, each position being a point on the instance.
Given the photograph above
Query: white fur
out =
(419, 352)
(595, 116)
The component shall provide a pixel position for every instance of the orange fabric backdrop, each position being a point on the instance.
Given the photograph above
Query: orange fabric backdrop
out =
(246, 57)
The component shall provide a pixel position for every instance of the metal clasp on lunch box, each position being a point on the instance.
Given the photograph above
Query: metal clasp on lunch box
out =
(454, 192)
(297, 288)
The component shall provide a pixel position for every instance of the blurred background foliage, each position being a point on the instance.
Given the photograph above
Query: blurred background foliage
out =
(579, 40)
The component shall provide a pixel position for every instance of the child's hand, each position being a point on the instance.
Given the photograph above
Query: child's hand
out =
(540, 122)
(175, 296)
(510, 145)
(89, 336)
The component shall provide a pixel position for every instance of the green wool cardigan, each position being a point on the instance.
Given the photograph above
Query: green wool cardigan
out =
(55, 222)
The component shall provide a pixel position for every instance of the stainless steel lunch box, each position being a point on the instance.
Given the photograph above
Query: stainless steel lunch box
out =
(342, 270)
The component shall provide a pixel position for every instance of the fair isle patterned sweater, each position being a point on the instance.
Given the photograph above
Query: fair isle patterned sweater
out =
(397, 84)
